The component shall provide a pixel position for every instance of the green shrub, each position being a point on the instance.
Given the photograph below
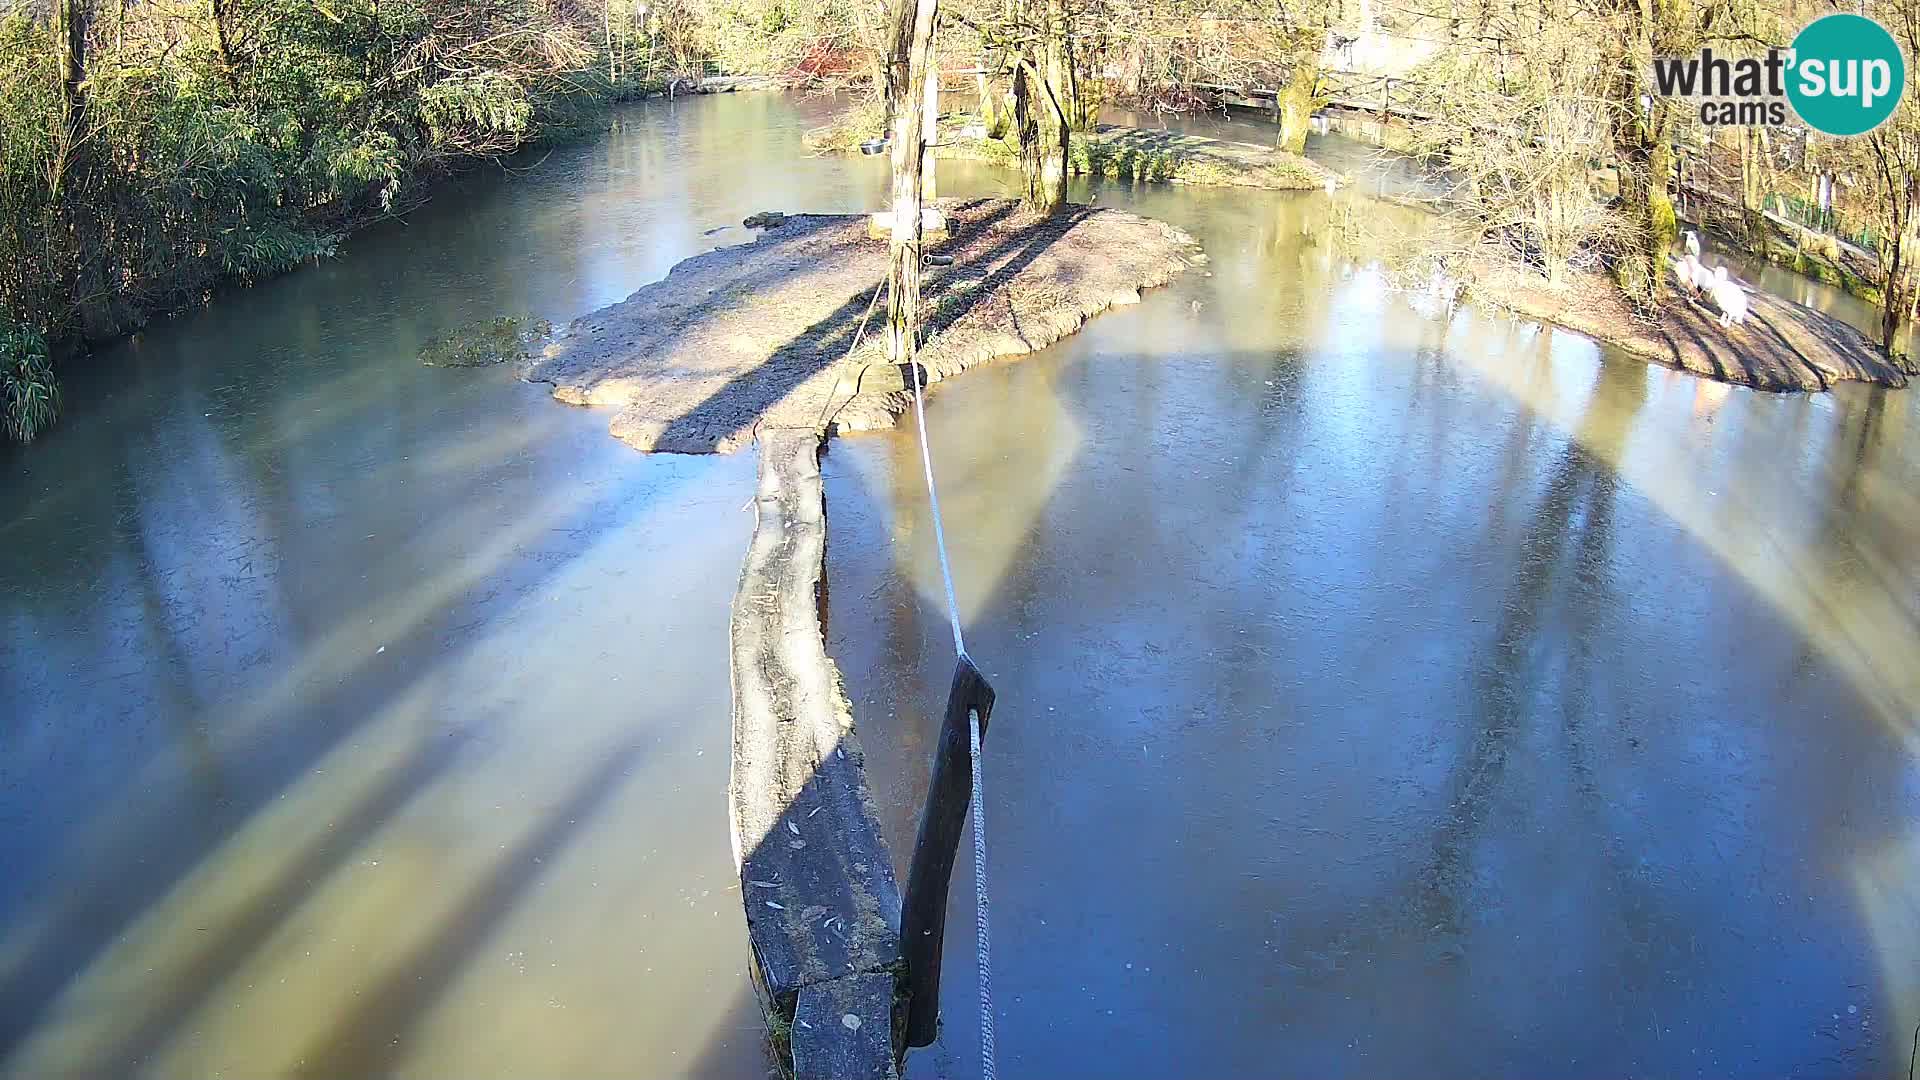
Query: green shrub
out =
(29, 396)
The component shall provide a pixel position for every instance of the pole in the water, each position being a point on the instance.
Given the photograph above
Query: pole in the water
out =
(923, 916)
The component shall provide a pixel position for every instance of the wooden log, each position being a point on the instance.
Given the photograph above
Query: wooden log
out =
(923, 915)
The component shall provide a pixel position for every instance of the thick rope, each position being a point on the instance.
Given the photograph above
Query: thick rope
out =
(988, 1070)
(988, 1067)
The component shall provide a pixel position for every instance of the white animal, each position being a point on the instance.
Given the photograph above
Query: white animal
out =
(1728, 297)
(1692, 277)
(1703, 278)
(1693, 244)
(1683, 273)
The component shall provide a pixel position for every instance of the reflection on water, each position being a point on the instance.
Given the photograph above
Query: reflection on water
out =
(1379, 691)
(1383, 691)
(337, 741)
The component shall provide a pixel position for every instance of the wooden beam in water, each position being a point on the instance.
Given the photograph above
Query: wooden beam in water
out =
(923, 915)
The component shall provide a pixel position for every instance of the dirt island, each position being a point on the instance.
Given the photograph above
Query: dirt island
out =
(786, 331)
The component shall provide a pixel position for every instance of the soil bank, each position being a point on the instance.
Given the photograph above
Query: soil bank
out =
(1114, 151)
(1782, 345)
(1128, 153)
(764, 334)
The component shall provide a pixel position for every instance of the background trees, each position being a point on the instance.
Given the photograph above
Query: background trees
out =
(149, 151)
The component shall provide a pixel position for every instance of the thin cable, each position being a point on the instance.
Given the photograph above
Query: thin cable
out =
(939, 532)
(826, 406)
(988, 1068)
(982, 956)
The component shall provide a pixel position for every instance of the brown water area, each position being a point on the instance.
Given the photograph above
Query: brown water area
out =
(1381, 689)
(1386, 692)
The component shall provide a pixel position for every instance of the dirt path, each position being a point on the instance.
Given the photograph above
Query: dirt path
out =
(1782, 346)
(1125, 153)
(757, 335)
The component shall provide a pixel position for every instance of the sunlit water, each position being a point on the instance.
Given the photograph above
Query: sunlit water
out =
(365, 717)
(1379, 692)
(1384, 693)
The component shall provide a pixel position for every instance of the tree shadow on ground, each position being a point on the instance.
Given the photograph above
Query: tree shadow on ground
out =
(741, 405)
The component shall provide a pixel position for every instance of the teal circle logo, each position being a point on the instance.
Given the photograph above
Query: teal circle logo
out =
(1846, 75)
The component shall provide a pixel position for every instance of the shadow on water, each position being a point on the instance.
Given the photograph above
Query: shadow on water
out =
(229, 691)
(294, 726)
(229, 943)
(374, 1036)
(1187, 723)
(1575, 510)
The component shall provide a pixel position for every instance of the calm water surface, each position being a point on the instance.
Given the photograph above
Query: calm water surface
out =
(1380, 690)
(1390, 693)
(364, 717)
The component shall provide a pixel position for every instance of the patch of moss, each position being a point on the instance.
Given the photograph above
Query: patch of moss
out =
(780, 1040)
(491, 341)
(863, 120)
(1116, 155)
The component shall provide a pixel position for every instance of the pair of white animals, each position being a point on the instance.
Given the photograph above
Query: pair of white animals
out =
(1727, 297)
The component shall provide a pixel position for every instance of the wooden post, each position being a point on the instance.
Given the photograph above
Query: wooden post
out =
(923, 914)
(906, 91)
(930, 132)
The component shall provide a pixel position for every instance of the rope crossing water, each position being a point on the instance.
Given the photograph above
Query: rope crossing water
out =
(988, 1067)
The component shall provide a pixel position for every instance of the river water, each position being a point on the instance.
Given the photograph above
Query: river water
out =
(1381, 688)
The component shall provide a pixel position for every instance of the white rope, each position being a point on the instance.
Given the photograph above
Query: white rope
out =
(988, 1070)
(933, 501)
(988, 1067)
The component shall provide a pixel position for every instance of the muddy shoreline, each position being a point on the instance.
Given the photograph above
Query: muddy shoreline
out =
(784, 332)
(1782, 347)
(1113, 151)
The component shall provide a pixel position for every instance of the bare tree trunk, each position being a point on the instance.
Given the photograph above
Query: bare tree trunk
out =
(991, 117)
(72, 176)
(1134, 71)
(222, 41)
(929, 131)
(1040, 115)
(1296, 98)
(1753, 186)
(907, 76)
(1900, 292)
(1645, 163)
(70, 19)
(606, 22)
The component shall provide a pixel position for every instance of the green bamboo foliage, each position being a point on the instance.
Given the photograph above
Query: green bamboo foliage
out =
(29, 396)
